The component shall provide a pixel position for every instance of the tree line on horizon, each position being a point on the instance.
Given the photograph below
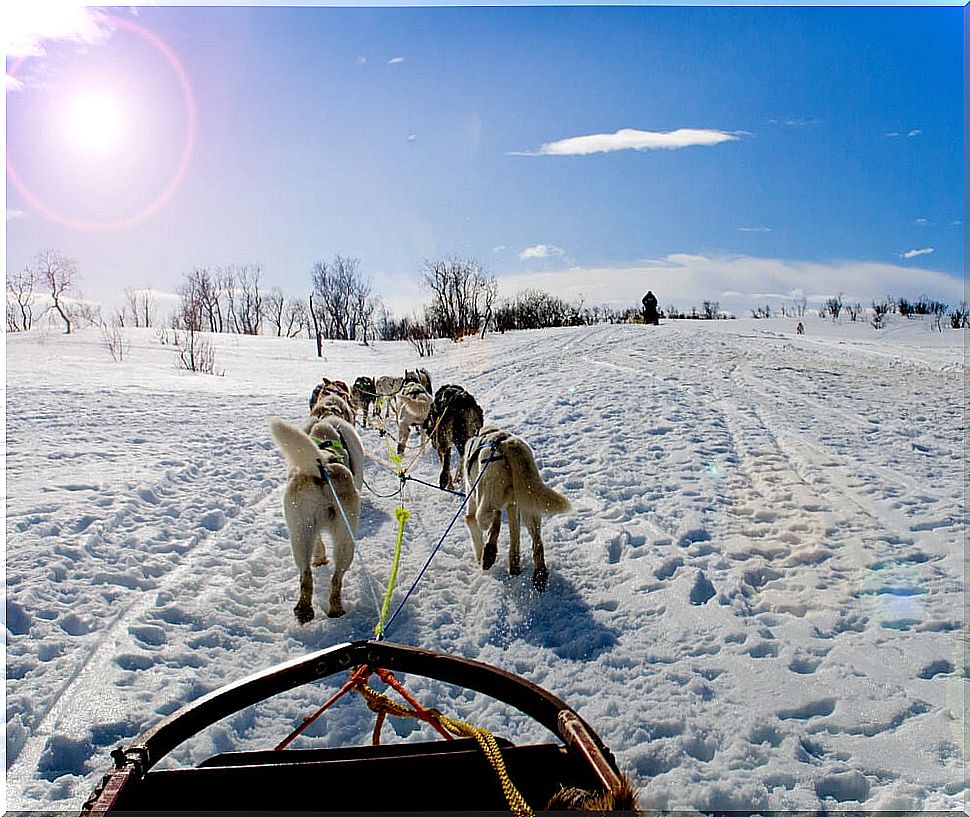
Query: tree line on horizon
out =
(340, 305)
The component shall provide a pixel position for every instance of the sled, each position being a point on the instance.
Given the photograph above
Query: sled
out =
(438, 775)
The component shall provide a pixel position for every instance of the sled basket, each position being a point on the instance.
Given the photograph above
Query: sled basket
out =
(446, 775)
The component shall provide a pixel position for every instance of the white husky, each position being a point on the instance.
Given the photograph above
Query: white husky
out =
(511, 482)
(413, 406)
(319, 485)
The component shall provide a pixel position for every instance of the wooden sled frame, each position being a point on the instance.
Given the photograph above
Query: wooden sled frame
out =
(456, 773)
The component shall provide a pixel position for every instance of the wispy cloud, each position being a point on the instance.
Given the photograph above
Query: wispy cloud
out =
(893, 134)
(541, 251)
(915, 132)
(921, 221)
(361, 59)
(28, 26)
(412, 137)
(914, 253)
(755, 229)
(797, 122)
(499, 248)
(956, 223)
(395, 60)
(631, 139)
(15, 214)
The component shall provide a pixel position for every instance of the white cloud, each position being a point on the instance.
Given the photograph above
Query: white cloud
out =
(893, 134)
(755, 229)
(412, 137)
(914, 253)
(921, 221)
(630, 139)
(541, 251)
(395, 60)
(499, 248)
(956, 223)
(915, 132)
(15, 214)
(27, 26)
(738, 282)
(361, 59)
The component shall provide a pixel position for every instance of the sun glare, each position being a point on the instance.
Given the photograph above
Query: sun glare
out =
(97, 123)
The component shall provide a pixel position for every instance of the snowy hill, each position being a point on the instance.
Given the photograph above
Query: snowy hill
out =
(757, 599)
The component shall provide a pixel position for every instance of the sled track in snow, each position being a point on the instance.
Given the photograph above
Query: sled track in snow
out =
(72, 708)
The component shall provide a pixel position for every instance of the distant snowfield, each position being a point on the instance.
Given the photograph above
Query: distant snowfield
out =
(757, 600)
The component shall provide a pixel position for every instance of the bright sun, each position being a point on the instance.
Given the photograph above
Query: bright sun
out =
(97, 122)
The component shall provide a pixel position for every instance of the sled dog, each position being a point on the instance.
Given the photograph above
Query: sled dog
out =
(510, 482)
(453, 419)
(387, 388)
(364, 392)
(413, 406)
(328, 386)
(318, 486)
(422, 376)
(331, 404)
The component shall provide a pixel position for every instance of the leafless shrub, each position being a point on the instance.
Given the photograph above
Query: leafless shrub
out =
(196, 353)
(833, 306)
(879, 312)
(853, 311)
(960, 317)
(420, 339)
(712, 310)
(761, 311)
(58, 275)
(113, 339)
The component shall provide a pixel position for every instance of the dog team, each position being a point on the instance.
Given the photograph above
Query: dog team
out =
(326, 472)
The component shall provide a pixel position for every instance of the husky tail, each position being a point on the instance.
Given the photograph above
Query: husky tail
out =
(300, 452)
(530, 490)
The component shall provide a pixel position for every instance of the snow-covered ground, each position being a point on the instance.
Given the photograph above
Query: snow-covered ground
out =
(757, 600)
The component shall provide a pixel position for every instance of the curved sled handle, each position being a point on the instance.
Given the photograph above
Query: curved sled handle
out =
(528, 698)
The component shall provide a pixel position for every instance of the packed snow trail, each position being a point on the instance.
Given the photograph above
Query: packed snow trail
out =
(756, 600)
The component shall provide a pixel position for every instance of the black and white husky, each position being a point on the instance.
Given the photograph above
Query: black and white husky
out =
(321, 490)
(510, 482)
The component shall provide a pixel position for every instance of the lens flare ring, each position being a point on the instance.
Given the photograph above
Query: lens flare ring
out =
(168, 191)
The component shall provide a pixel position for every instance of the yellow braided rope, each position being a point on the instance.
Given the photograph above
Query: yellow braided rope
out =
(402, 514)
(378, 702)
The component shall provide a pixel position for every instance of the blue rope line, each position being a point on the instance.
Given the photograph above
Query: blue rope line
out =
(435, 549)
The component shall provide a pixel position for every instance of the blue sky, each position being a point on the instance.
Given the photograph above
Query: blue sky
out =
(733, 154)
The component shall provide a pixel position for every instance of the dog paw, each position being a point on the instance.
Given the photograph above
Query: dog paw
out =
(335, 612)
(304, 613)
(488, 557)
(320, 560)
(540, 580)
(515, 570)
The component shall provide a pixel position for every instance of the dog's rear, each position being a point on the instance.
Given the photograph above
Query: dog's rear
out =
(503, 470)
(455, 417)
(414, 404)
(364, 392)
(320, 492)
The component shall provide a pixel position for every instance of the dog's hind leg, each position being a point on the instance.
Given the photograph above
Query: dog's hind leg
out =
(444, 478)
(303, 536)
(320, 553)
(343, 552)
(471, 520)
(494, 519)
(540, 573)
(403, 432)
(515, 562)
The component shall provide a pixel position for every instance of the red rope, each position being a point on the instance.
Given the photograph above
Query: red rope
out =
(426, 715)
(359, 675)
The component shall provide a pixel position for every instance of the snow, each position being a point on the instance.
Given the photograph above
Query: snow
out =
(756, 601)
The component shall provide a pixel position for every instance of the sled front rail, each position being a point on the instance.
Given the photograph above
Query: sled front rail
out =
(446, 775)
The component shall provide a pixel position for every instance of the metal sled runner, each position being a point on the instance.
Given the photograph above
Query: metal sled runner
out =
(447, 775)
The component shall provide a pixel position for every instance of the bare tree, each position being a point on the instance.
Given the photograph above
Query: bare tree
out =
(20, 300)
(456, 289)
(297, 318)
(58, 274)
(317, 318)
(248, 306)
(712, 309)
(273, 308)
(140, 304)
(488, 287)
(338, 288)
